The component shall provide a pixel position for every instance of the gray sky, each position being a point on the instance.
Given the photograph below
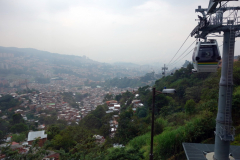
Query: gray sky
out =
(138, 31)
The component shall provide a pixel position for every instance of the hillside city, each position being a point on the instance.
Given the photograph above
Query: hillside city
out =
(40, 98)
(111, 80)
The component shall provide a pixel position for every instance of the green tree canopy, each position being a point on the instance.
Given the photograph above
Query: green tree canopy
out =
(190, 106)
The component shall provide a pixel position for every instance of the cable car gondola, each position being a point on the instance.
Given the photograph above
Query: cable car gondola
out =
(206, 56)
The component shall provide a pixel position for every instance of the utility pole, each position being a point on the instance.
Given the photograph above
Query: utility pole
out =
(152, 128)
(154, 93)
(164, 70)
(224, 132)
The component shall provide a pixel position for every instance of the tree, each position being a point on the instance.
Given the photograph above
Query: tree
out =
(4, 127)
(64, 141)
(122, 154)
(7, 101)
(79, 97)
(108, 97)
(190, 107)
(19, 128)
(129, 126)
(99, 112)
(30, 116)
(72, 139)
(91, 122)
(52, 131)
(186, 64)
(17, 118)
(141, 112)
(2, 136)
(118, 97)
(34, 152)
(48, 120)
(193, 93)
(18, 137)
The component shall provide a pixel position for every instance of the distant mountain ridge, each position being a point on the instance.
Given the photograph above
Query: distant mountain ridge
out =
(30, 52)
(36, 63)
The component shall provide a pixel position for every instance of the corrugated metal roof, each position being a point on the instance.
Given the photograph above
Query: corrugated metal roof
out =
(36, 134)
(194, 151)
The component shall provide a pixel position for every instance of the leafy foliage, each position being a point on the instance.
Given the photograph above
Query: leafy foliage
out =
(190, 106)
(19, 128)
(188, 116)
(7, 102)
(122, 154)
(35, 152)
(18, 137)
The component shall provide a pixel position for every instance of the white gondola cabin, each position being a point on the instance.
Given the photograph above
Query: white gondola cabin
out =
(206, 56)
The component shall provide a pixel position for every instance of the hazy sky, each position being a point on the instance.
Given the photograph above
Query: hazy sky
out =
(138, 31)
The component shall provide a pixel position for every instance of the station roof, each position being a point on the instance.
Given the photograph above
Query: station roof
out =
(195, 151)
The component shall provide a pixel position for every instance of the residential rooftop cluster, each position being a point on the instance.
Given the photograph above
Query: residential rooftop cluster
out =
(114, 107)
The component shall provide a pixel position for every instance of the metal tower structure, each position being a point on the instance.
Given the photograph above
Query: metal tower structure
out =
(211, 22)
(164, 70)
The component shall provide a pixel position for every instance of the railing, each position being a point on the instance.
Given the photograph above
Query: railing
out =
(227, 133)
(214, 20)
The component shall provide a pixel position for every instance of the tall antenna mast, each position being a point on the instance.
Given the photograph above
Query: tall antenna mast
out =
(164, 70)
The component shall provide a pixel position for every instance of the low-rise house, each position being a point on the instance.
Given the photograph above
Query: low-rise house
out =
(115, 118)
(117, 106)
(109, 111)
(112, 101)
(99, 139)
(111, 108)
(19, 111)
(136, 101)
(41, 127)
(52, 156)
(32, 136)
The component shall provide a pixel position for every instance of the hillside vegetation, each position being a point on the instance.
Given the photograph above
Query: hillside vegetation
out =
(187, 116)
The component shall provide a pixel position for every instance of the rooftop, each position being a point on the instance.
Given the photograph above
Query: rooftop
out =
(36, 134)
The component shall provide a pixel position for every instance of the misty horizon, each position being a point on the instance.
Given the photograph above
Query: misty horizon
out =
(141, 32)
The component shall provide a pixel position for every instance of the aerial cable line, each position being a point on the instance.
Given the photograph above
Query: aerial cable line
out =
(194, 41)
(180, 48)
(183, 57)
(184, 51)
(231, 13)
(188, 54)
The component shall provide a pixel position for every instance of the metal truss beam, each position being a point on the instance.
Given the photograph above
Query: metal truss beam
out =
(219, 9)
(213, 4)
(214, 29)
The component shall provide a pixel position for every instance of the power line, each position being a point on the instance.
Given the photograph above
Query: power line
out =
(194, 41)
(177, 61)
(183, 57)
(180, 48)
(188, 54)
(221, 6)
(184, 51)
